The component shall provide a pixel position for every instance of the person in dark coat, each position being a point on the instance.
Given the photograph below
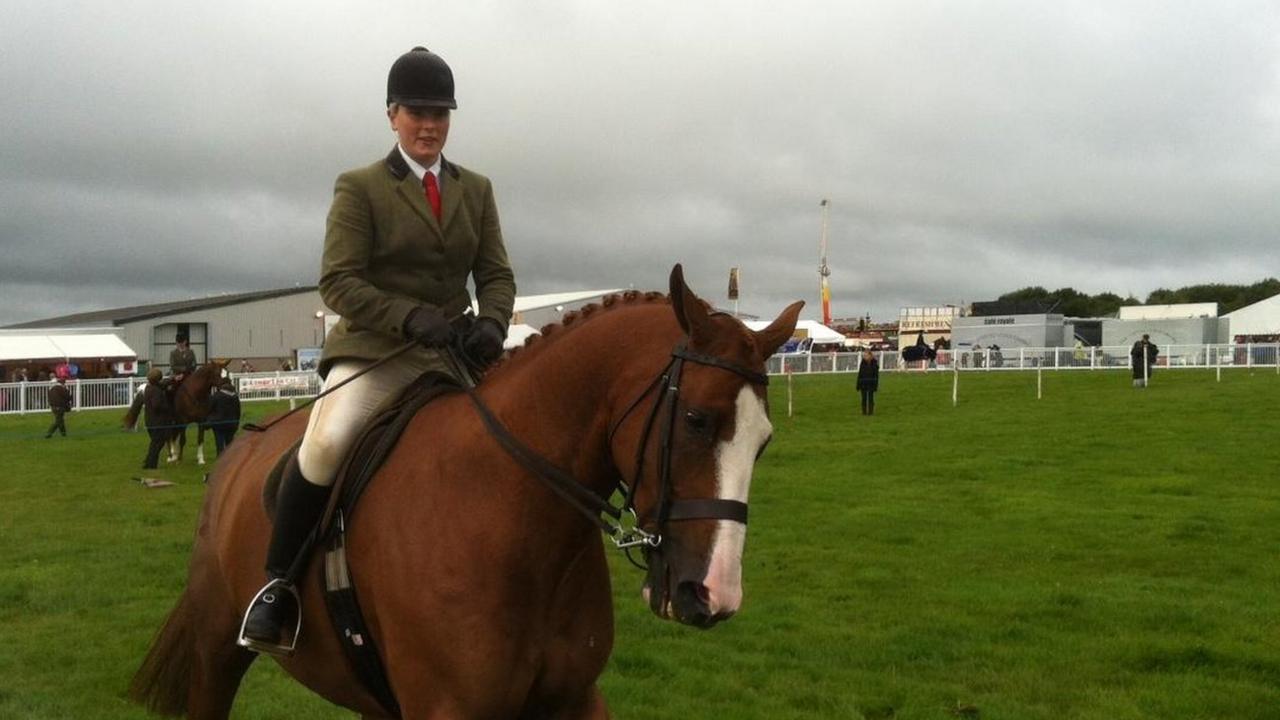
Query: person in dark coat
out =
(159, 418)
(59, 405)
(1143, 356)
(182, 360)
(224, 414)
(405, 237)
(868, 381)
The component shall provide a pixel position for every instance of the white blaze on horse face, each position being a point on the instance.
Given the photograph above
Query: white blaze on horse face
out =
(735, 459)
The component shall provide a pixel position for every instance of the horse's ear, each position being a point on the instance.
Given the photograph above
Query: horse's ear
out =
(690, 311)
(779, 331)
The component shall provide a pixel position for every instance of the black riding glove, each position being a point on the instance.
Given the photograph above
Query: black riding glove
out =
(428, 326)
(484, 341)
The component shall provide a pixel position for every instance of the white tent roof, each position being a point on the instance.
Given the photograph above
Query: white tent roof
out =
(1169, 312)
(31, 345)
(809, 328)
(549, 300)
(1260, 318)
(517, 334)
(533, 302)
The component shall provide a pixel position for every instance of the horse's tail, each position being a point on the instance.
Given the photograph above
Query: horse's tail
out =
(161, 683)
(131, 418)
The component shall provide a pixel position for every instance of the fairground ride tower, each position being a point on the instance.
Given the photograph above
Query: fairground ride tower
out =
(824, 272)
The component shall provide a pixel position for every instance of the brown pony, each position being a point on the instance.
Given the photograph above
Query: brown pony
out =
(488, 594)
(191, 404)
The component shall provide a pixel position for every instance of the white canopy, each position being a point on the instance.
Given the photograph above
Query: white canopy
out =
(804, 328)
(517, 334)
(46, 345)
(524, 303)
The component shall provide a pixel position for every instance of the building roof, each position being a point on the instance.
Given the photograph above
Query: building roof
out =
(66, 345)
(1177, 311)
(525, 303)
(118, 316)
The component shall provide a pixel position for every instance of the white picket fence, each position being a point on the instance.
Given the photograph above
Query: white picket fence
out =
(16, 398)
(118, 393)
(1208, 356)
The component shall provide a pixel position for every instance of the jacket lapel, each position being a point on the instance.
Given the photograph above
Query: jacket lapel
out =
(451, 192)
(410, 190)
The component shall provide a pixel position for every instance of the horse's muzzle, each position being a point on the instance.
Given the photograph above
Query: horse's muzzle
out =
(692, 605)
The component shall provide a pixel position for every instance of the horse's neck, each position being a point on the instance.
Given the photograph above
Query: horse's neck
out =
(564, 399)
(193, 397)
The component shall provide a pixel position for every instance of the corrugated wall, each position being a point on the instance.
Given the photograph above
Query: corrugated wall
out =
(271, 328)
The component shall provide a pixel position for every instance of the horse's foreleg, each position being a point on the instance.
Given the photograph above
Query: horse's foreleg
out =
(200, 445)
(590, 706)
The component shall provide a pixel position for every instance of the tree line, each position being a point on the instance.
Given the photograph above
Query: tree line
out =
(1071, 302)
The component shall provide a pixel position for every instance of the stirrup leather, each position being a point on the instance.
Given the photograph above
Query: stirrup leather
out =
(275, 586)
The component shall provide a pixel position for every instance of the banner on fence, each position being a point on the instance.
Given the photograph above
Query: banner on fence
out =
(272, 383)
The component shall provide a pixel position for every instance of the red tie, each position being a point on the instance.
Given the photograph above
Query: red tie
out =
(433, 193)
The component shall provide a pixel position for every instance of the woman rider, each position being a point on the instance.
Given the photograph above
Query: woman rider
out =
(402, 237)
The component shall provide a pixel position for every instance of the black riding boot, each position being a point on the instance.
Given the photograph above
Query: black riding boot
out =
(272, 616)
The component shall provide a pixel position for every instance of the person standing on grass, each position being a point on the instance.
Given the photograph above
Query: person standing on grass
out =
(224, 414)
(868, 381)
(1143, 358)
(158, 419)
(59, 405)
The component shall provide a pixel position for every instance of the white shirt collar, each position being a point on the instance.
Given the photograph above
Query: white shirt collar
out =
(417, 168)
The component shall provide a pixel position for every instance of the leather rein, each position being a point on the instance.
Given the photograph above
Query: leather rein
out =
(591, 505)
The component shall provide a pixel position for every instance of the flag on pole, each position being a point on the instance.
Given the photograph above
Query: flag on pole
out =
(733, 283)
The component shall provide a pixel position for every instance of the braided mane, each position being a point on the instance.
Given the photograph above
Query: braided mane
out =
(551, 331)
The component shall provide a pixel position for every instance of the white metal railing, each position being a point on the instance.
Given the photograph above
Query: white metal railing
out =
(1207, 356)
(27, 397)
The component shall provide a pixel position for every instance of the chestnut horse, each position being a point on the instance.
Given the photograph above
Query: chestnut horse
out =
(190, 405)
(487, 593)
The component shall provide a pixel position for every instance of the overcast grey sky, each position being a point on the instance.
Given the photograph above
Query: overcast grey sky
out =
(156, 151)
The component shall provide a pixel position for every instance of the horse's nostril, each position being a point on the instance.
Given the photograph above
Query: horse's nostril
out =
(692, 601)
(704, 595)
(694, 592)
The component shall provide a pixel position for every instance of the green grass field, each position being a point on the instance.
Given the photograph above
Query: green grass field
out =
(1102, 553)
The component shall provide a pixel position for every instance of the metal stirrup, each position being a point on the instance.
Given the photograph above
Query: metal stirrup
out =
(276, 585)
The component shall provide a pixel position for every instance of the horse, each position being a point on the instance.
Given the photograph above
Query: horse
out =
(191, 400)
(487, 592)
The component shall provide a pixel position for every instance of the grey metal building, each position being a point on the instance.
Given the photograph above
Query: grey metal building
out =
(1009, 331)
(259, 328)
(1165, 331)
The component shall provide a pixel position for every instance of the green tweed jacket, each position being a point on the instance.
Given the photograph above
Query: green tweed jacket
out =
(385, 254)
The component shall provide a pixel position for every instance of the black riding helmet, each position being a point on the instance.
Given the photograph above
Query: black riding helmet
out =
(420, 78)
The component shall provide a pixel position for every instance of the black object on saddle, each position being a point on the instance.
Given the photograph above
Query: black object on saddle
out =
(919, 351)
(369, 452)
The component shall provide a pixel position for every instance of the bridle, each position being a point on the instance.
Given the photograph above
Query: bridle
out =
(667, 509)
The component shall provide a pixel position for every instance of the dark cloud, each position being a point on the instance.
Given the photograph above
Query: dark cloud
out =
(155, 151)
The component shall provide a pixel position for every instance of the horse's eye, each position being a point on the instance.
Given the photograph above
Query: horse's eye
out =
(697, 420)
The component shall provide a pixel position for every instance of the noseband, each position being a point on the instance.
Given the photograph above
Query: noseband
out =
(581, 498)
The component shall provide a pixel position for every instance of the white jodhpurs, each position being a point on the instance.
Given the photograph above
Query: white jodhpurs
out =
(337, 419)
